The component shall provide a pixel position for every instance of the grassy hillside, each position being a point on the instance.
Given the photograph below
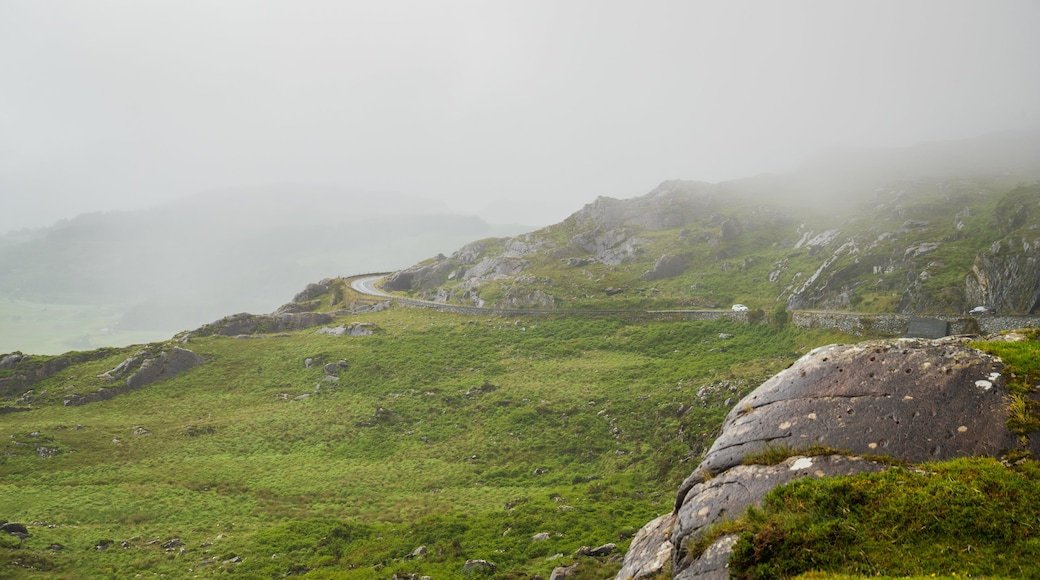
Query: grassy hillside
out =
(903, 246)
(465, 435)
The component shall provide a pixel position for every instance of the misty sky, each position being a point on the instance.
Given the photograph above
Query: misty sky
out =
(124, 104)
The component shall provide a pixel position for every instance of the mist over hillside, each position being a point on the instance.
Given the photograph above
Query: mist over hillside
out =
(935, 228)
(188, 262)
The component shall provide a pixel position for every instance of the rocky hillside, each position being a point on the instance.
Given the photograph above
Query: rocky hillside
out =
(851, 231)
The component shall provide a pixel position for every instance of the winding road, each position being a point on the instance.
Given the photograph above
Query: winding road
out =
(367, 285)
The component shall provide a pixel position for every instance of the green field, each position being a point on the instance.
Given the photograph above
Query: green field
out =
(466, 435)
(41, 328)
(447, 438)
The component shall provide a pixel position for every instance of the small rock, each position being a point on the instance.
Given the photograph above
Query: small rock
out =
(604, 550)
(420, 551)
(540, 537)
(478, 567)
(561, 572)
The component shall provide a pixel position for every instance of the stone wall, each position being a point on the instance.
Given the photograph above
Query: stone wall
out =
(898, 324)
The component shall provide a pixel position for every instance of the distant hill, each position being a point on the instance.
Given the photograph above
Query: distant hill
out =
(935, 228)
(184, 263)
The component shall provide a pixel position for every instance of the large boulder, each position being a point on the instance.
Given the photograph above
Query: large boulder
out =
(912, 399)
(667, 266)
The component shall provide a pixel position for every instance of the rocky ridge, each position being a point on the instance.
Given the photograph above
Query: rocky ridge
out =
(911, 399)
(912, 247)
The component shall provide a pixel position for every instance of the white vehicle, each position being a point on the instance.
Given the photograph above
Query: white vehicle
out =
(739, 308)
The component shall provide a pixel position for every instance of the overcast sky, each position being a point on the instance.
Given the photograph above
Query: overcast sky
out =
(124, 104)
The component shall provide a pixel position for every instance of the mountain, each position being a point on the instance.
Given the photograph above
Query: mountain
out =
(187, 262)
(936, 228)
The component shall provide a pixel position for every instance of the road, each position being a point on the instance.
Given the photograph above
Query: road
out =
(367, 285)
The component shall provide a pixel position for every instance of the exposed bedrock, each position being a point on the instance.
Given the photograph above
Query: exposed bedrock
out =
(911, 399)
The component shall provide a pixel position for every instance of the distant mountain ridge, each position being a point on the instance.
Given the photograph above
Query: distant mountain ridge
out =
(935, 228)
(188, 262)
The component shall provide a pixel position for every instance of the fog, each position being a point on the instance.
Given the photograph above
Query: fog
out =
(518, 112)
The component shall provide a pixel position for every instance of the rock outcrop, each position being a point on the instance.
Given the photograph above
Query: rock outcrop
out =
(911, 399)
(26, 370)
(667, 266)
(890, 245)
(353, 329)
(248, 324)
(138, 371)
(1007, 278)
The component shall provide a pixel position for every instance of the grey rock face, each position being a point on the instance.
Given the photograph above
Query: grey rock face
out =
(561, 572)
(1006, 278)
(478, 567)
(650, 551)
(30, 370)
(141, 370)
(672, 204)
(8, 361)
(912, 399)
(498, 267)
(667, 266)
(421, 277)
(313, 291)
(712, 563)
(166, 366)
(334, 369)
(729, 494)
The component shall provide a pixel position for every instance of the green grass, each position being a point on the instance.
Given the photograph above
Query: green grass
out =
(967, 517)
(40, 328)
(1021, 376)
(464, 434)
